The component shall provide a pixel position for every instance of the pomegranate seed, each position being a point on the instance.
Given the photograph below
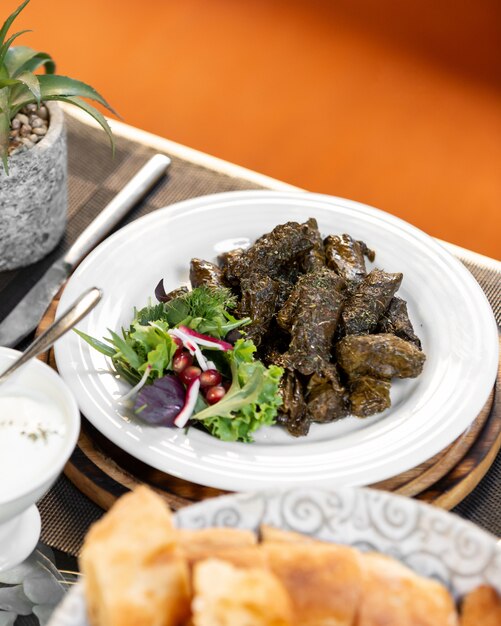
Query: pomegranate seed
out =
(210, 378)
(181, 361)
(189, 374)
(214, 394)
(226, 385)
(178, 342)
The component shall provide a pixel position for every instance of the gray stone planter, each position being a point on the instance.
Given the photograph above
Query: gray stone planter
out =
(33, 197)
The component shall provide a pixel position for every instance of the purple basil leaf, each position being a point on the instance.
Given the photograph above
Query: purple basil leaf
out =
(160, 294)
(160, 402)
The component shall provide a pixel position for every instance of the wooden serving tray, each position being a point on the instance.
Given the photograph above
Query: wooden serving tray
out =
(103, 471)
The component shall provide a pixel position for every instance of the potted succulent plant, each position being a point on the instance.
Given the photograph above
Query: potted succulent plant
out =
(33, 170)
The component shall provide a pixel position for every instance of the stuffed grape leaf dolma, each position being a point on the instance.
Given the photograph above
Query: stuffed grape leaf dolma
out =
(346, 256)
(258, 301)
(327, 399)
(311, 315)
(365, 307)
(314, 259)
(205, 274)
(285, 287)
(226, 262)
(274, 344)
(396, 321)
(381, 356)
(275, 254)
(293, 412)
(369, 395)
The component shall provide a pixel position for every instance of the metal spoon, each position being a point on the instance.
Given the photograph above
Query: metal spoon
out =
(85, 303)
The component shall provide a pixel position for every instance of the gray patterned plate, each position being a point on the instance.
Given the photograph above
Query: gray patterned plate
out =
(430, 541)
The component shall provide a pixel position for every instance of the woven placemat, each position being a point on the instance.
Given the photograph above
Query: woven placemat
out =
(94, 178)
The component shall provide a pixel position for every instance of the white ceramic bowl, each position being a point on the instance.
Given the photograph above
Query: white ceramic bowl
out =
(31, 460)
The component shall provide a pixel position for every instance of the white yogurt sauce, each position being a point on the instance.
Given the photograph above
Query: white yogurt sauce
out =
(32, 435)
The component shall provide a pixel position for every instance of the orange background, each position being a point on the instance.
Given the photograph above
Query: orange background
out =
(397, 104)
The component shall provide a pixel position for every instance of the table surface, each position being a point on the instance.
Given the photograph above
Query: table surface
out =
(93, 180)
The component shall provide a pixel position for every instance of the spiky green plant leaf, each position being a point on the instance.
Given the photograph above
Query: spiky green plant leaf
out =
(8, 82)
(41, 59)
(32, 83)
(16, 57)
(97, 115)
(8, 22)
(53, 87)
(21, 59)
(4, 48)
(26, 79)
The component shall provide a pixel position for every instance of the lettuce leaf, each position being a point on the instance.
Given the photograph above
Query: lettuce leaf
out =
(140, 347)
(252, 400)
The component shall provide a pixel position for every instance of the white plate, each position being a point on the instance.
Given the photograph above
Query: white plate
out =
(430, 541)
(449, 310)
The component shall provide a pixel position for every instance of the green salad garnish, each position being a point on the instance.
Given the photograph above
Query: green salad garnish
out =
(181, 367)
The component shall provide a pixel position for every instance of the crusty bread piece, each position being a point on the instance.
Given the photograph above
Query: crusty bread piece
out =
(217, 536)
(394, 595)
(228, 596)
(238, 547)
(134, 574)
(270, 533)
(324, 581)
(240, 556)
(481, 607)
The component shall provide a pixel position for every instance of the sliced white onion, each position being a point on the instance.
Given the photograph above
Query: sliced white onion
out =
(202, 361)
(123, 399)
(191, 399)
(206, 340)
(206, 343)
(191, 346)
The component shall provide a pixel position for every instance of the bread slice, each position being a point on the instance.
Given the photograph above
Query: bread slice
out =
(243, 557)
(134, 573)
(394, 595)
(225, 595)
(239, 547)
(323, 580)
(481, 607)
(217, 536)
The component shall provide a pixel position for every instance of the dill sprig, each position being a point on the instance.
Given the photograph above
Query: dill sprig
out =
(208, 302)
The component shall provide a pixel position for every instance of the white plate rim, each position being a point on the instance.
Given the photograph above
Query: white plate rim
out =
(221, 479)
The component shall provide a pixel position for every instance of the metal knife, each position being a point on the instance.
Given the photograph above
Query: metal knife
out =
(26, 315)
